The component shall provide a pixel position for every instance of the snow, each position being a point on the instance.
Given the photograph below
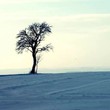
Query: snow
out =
(65, 91)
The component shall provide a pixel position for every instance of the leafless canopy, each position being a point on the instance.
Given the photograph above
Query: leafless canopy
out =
(31, 37)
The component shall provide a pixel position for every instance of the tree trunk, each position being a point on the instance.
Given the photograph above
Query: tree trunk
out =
(33, 71)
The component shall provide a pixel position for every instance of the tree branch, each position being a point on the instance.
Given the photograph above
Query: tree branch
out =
(48, 47)
(29, 49)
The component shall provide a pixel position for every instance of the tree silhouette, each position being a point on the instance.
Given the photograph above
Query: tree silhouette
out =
(30, 39)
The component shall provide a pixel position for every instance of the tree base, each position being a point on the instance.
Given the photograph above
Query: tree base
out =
(32, 72)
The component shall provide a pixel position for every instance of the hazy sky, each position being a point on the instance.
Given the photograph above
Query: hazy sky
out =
(80, 32)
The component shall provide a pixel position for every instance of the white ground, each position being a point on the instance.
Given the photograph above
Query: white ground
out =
(68, 91)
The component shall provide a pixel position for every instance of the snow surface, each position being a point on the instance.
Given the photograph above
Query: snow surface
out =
(68, 91)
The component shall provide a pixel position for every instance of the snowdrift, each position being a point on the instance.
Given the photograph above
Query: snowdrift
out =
(66, 91)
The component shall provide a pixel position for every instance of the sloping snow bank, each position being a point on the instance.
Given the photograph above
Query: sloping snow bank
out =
(68, 91)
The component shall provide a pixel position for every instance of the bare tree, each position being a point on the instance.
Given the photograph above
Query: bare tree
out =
(31, 38)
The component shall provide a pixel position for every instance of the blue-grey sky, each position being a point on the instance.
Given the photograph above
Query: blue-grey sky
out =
(80, 32)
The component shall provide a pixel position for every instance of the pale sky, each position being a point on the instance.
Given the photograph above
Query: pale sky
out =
(80, 32)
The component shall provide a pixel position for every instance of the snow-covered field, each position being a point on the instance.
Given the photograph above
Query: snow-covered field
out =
(68, 91)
